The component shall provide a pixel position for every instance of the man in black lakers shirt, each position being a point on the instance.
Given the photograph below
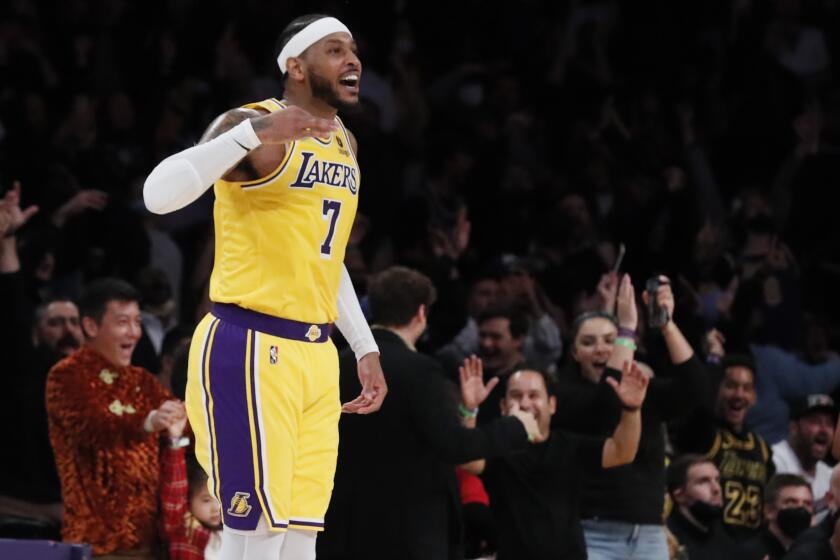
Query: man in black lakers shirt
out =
(741, 455)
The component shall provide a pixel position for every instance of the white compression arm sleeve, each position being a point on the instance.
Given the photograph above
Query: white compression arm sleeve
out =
(183, 177)
(351, 321)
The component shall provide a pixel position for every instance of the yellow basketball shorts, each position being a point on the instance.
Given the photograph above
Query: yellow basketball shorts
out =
(263, 403)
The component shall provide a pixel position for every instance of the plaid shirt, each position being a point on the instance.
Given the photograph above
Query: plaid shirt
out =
(187, 537)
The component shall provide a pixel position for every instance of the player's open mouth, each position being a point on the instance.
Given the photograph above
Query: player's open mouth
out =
(350, 82)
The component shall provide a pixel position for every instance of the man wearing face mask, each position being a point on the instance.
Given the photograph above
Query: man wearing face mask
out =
(788, 512)
(694, 486)
(822, 541)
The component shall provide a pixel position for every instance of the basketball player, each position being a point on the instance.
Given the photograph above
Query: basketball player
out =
(262, 392)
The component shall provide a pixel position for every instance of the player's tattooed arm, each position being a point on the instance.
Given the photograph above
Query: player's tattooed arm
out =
(245, 169)
(228, 120)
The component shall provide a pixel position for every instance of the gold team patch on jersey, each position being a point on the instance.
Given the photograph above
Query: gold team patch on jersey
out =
(239, 506)
(314, 333)
(341, 148)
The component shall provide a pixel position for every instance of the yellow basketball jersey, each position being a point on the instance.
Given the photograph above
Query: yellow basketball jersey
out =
(280, 240)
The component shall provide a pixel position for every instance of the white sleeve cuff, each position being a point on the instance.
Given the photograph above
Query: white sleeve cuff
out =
(183, 177)
(351, 321)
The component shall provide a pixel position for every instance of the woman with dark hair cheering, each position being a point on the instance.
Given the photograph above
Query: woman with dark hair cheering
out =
(622, 508)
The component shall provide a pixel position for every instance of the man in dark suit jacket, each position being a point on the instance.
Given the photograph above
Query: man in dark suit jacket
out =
(395, 493)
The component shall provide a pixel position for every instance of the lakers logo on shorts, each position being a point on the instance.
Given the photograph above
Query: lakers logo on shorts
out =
(239, 506)
(314, 333)
(272, 355)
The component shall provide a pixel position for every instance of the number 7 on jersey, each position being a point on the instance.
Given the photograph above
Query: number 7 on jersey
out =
(332, 208)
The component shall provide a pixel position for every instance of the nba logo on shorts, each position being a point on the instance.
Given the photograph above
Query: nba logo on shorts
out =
(272, 355)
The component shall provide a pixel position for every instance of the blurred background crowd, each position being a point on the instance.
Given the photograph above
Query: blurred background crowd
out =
(507, 152)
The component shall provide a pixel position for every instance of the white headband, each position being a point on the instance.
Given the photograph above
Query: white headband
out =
(307, 36)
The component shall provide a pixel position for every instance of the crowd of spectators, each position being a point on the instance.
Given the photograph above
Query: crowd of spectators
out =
(509, 155)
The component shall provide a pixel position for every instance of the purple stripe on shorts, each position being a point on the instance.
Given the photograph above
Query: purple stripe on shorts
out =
(306, 523)
(240, 506)
(275, 326)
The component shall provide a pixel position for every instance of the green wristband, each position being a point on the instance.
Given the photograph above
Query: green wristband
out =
(626, 342)
(466, 412)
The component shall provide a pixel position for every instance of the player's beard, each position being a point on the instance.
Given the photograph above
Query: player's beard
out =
(322, 89)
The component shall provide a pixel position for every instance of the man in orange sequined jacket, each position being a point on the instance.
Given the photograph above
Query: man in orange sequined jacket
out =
(104, 417)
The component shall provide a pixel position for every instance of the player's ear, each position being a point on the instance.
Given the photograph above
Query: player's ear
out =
(296, 69)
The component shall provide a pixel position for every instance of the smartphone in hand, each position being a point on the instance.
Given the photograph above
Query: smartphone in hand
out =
(656, 314)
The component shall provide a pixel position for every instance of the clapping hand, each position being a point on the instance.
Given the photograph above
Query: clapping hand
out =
(632, 388)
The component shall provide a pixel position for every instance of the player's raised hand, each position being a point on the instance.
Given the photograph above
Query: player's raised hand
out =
(290, 124)
(473, 389)
(633, 386)
(374, 387)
